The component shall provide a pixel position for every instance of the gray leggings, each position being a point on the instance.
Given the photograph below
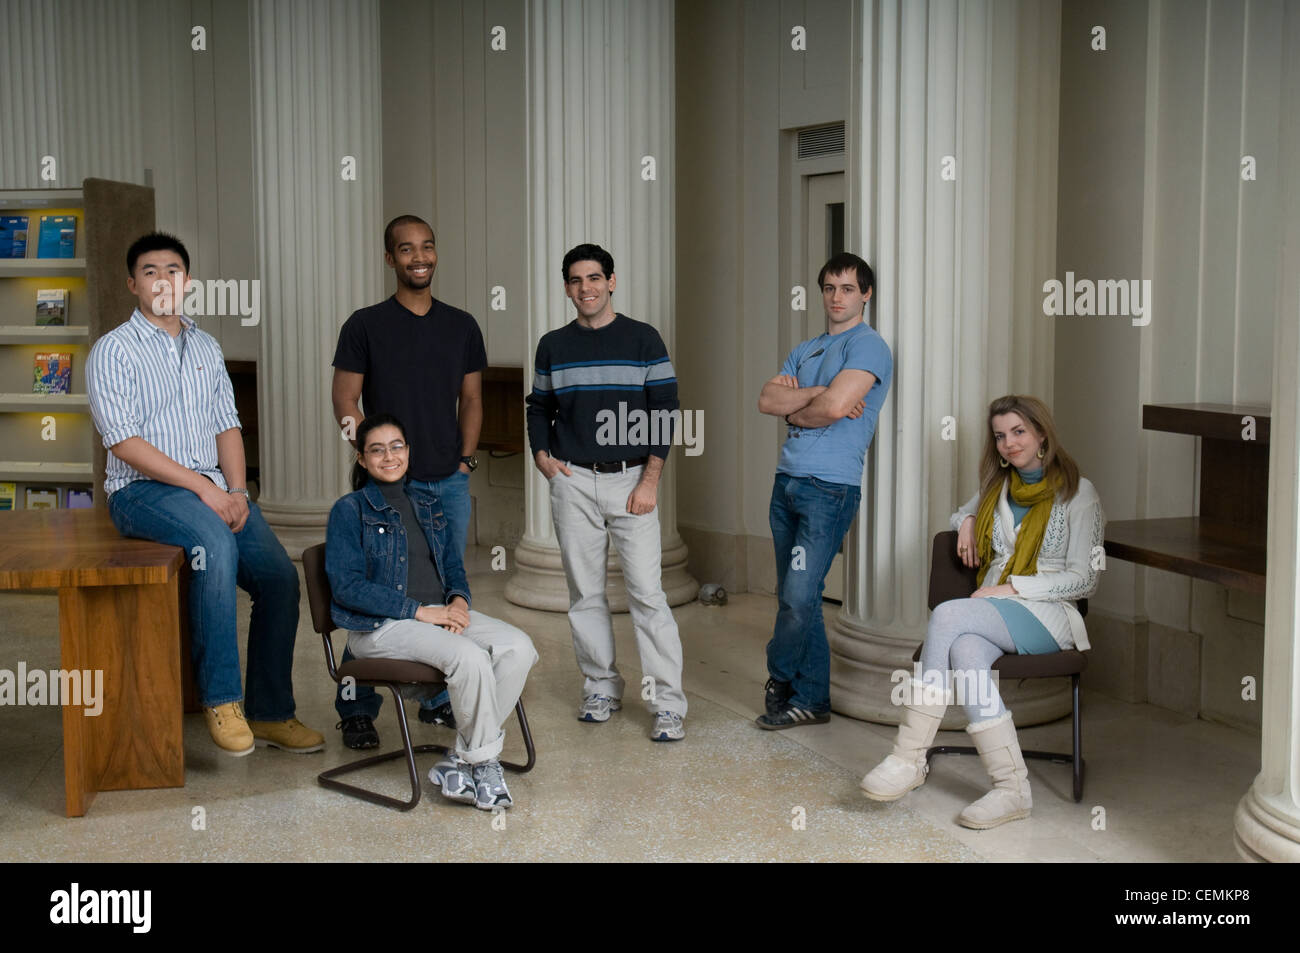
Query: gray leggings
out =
(965, 637)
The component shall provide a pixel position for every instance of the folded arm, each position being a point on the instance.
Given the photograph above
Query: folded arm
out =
(843, 398)
(782, 395)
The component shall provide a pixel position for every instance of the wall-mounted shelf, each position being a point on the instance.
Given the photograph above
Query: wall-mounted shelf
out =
(48, 334)
(1225, 542)
(44, 403)
(110, 215)
(42, 267)
(44, 472)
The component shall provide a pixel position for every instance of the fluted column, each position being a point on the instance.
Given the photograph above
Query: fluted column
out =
(1267, 821)
(316, 135)
(70, 90)
(952, 179)
(600, 104)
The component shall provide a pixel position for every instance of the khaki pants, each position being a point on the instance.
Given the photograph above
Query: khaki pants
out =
(486, 666)
(589, 509)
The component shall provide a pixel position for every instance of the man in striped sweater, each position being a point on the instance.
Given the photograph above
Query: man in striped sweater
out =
(600, 422)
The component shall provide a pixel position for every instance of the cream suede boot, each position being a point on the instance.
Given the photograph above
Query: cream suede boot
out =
(999, 749)
(904, 769)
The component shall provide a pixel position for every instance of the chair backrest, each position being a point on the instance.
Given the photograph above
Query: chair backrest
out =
(318, 588)
(950, 579)
(319, 598)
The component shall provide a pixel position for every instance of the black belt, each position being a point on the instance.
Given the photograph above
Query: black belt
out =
(610, 466)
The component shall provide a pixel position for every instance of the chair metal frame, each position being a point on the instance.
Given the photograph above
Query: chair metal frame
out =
(313, 562)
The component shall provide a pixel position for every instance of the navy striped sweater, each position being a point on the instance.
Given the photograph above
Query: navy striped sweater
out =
(603, 394)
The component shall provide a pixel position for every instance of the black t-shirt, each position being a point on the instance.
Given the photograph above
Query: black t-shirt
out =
(414, 365)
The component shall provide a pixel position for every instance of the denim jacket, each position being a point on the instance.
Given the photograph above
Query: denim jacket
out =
(365, 557)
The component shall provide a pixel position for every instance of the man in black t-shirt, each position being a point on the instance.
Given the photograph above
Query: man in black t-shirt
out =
(422, 361)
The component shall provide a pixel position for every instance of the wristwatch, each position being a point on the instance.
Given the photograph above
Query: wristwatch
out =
(471, 462)
(240, 489)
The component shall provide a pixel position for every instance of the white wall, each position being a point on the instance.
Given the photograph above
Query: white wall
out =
(1152, 135)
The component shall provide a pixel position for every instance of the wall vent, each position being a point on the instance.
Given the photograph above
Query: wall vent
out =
(821, 141)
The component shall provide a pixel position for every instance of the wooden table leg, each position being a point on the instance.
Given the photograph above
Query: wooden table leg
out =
(132, 635)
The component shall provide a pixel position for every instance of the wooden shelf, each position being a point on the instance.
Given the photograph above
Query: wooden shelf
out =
(30, 472)
(42, 267)
(1225, 542)
(45, 403)
(1204, 549)
(47, 334)
(41, 198)
(1215, 421)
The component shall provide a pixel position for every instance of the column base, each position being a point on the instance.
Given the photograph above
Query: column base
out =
(538, 581)
(296, 526)
(863, 664)
(1262, 833)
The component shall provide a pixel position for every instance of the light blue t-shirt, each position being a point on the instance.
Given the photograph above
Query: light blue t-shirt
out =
(835, 453)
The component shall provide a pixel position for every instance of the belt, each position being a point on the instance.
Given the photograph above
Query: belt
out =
(610, 466)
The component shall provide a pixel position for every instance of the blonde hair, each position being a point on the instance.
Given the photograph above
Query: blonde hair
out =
(1058, 465)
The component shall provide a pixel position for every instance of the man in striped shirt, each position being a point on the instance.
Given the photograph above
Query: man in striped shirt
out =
(600, 419)
(164, 406)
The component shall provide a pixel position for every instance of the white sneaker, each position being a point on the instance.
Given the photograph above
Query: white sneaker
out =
(598, 708)
(455, 777)
(668, 727)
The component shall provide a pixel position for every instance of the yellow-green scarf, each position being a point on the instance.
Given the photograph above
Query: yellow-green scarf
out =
(1024, 559)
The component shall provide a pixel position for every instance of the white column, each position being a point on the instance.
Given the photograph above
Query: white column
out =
(600, 103)
(316, 116)
(1267, 821)
(969, 89)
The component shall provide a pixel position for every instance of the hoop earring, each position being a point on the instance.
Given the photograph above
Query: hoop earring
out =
(1041, 453)
(1004, 463)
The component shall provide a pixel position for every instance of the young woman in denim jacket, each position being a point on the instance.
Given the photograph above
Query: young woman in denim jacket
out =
(1034, 530)
(400, 590)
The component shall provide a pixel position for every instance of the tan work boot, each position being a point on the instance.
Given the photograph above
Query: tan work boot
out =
(905, 767)
(291, 735)
(999, 749)
(229, 730)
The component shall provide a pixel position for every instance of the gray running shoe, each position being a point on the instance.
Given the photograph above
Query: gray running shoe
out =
(668, 727)
(490, 787)
(598, 708)
(455, 778)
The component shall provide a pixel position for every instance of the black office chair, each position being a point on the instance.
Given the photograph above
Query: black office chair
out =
(392, 673)
(951, 579)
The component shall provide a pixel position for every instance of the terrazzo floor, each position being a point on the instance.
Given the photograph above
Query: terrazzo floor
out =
(1167, 784)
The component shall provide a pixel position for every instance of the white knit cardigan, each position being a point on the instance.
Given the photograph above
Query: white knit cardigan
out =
(1071, 547)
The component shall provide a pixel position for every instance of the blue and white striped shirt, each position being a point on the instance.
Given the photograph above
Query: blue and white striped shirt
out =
(174, 393)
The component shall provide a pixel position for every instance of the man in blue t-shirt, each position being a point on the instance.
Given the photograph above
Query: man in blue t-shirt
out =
(829, 391)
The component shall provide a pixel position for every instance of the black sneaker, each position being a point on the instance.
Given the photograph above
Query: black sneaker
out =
(791, 717)
(442, 715)
(359, 732)
(776, 693)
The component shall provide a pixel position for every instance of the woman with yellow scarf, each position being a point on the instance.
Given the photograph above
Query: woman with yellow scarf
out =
(1032, 529)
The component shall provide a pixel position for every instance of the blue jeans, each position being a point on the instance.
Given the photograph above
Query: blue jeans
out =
(812, 514)
(254, 560)
(454, 492)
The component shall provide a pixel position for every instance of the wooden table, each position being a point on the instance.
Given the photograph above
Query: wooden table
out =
(119, 612)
